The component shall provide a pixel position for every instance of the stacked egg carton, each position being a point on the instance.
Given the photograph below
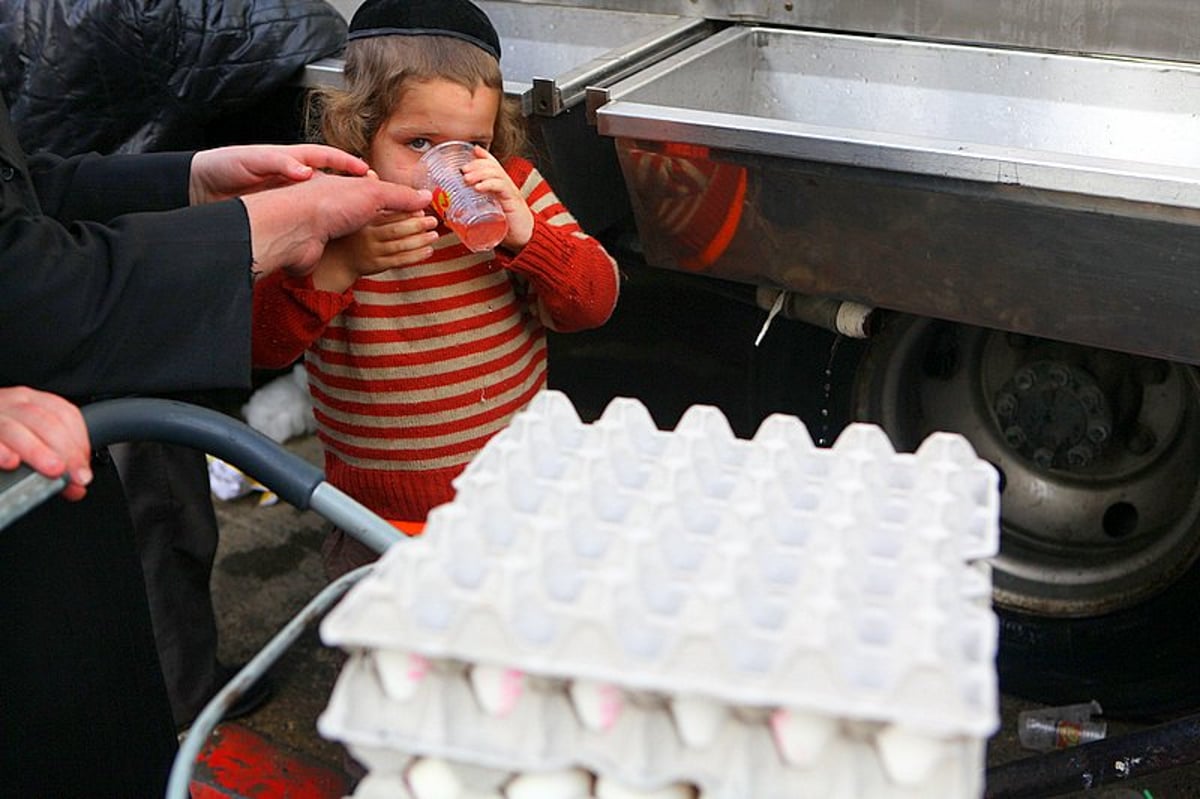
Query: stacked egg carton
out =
(617, 611)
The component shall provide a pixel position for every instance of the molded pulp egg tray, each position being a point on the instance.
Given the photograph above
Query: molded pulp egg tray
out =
(614, 610)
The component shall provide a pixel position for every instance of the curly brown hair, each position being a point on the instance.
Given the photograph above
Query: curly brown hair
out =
(378, 70)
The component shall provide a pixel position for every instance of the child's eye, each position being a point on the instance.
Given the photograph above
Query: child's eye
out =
(420, 145)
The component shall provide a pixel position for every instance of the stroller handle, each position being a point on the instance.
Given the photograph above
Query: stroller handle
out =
(295, 480)
(290, 476)
(144, 419)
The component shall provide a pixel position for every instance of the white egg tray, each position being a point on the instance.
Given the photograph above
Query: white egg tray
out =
(623, 599)
(738, 754)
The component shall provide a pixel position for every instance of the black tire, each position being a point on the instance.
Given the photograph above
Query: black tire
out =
(1139, 663)
(1097, 582)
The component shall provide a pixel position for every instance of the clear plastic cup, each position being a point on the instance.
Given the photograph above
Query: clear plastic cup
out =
(475, 216)
(1051, 728)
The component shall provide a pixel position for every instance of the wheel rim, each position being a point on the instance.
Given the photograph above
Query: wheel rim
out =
(1097, 452)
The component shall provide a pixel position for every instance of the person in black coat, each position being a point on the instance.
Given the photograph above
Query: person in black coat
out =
(107, 76)
(126, 275)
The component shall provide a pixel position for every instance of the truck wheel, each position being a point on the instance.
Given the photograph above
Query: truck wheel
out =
(1096, 584)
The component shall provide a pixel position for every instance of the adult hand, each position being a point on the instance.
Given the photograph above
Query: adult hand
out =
(290, 226)
(226, 172)
(47, 433)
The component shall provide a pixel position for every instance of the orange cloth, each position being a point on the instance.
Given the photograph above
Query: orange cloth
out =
(409, 528)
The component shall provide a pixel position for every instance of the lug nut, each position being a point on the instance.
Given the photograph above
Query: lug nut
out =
(1006, 405)
(1091, 399)
(1058, 375)
(1079, 456)
(1015, 436)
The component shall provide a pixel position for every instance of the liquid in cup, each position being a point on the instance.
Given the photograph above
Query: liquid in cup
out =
(475, 216)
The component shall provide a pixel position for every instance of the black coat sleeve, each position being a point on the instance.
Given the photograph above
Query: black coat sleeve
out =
(141, 303)
(101, 188)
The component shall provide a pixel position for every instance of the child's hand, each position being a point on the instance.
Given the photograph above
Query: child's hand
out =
(400, 240)
(486, 174)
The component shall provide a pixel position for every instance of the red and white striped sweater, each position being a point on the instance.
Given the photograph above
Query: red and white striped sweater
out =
(412, 370)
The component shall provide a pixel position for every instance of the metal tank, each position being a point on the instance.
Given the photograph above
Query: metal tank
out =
(1013, 187)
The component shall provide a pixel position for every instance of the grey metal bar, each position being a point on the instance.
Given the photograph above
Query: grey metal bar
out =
(294, 479)
(22, 490)
(550, 96)
(353, 518)
(181, 771)
(220, 435)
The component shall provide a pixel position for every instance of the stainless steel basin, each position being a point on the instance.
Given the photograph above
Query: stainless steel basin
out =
(1048, 194)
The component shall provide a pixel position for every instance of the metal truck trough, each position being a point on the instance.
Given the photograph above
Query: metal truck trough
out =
(983, 185)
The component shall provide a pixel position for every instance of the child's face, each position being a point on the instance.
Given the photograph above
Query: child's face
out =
(432, 112)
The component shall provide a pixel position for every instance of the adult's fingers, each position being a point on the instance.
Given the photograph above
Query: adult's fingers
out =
(64, 445)
(397, 197)
(46, 432)
(68, 430)
(289, 227)
(304, 158)
(9, 459)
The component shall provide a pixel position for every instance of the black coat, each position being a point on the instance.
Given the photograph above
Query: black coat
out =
(108, 76)
(109, 286)
(96, 299)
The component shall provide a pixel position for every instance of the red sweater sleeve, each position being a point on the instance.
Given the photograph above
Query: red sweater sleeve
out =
(573, 279)
(289, 315)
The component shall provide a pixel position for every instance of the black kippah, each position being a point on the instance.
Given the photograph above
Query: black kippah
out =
(461, 19)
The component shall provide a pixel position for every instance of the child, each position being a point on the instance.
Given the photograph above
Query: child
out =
(417, 349)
